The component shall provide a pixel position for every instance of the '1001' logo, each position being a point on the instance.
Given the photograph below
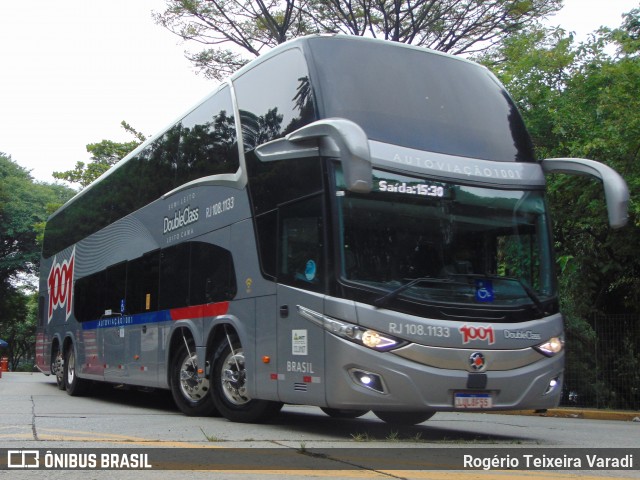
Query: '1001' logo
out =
(60, 284)
(483, 333)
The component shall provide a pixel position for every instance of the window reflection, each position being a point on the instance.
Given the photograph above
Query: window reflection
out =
(203, 143)
(191, 273)
(274, 98)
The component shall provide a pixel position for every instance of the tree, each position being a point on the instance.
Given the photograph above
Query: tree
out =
(251, 27)
(23, 205)
(18, 326)
(104, 155)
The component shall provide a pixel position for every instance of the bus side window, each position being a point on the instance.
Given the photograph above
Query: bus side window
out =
(174, 276)
(115, 289)
(89, 293)
(212, 276)
(208, 143)
(143, 276)
(288, 105)
(301, 249)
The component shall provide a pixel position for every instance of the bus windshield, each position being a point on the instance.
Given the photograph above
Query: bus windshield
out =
(423, 100)
(436, 242)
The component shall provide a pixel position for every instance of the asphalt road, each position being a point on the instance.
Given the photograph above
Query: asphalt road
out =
(35, 415)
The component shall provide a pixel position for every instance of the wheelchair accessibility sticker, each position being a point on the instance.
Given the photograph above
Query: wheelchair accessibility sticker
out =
(484, 291)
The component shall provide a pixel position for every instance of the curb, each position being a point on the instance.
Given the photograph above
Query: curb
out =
(589, 414)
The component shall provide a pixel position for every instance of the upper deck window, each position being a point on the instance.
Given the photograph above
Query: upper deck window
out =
(274, 98)
(201, 144)
(418, 99)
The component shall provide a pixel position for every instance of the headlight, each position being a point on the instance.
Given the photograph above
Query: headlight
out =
(551, 347)
(362, 336)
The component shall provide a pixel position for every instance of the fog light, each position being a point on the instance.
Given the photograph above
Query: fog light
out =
(368, 380)
(552, 386)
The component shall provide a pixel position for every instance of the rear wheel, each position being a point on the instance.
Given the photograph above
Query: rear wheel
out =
(404, 418)
(57, 368)
(343, 413)
(189, 384)
(74, 385)
(229, 379)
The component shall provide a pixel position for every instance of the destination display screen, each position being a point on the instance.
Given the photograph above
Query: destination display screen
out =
(410, 186)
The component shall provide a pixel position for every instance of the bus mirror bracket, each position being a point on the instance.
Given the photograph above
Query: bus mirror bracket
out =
(283, 149)
(616, 191)
(334, 137)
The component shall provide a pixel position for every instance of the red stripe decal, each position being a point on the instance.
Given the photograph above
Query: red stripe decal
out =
(199, 311)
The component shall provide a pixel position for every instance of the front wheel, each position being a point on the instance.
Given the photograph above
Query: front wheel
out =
(229, 385)
(189, 385)
(404, 418)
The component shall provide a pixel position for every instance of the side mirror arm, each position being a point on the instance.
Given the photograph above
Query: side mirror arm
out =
(616, 191)
(336, 137)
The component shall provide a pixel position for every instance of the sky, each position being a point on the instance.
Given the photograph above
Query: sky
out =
(72, 70)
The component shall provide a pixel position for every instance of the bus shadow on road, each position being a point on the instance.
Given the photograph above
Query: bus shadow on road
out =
(371, 429)
(315, 422)
(147, 398)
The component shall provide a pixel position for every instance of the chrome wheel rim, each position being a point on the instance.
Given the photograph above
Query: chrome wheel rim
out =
(58, 368)
(233, 378)
(192, 385)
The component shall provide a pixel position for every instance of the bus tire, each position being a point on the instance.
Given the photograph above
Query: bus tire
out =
(343, 413)
(74, 385)
(404, 418)
(57, 368)
(228, 380)
(190, 390)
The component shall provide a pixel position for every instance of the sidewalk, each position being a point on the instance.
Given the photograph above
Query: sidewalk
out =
(588, 413)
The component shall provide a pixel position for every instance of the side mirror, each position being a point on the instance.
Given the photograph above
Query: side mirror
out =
(335, 137)
(616, 191)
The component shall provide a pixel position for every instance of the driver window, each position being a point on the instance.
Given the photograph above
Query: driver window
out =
(301, 249)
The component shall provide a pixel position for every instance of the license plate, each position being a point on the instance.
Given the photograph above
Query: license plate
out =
(472, 400)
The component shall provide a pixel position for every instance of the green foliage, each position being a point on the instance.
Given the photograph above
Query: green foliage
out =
(104, 155)
(24, 207)
(18, 320)
(24, 204)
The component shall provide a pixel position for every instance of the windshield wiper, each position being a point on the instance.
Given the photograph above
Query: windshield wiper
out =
(384, 300)
(531, 294)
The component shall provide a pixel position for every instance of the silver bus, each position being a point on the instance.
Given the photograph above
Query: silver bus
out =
(348, 223)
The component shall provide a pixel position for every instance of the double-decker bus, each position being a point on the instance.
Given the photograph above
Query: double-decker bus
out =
(348, 223)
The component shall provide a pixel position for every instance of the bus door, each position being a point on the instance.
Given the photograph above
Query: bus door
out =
(113, 342)
(300, 291)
